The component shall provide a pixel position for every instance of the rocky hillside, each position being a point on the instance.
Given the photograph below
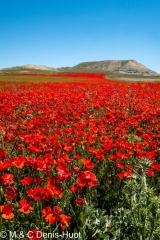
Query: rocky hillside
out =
(117, 66)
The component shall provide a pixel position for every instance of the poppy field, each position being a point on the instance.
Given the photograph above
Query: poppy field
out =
(80, 158)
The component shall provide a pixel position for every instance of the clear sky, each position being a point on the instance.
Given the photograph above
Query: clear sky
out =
(60, 33)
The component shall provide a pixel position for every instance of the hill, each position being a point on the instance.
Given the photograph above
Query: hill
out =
(131, 67)
(116, 66)
(28, 69)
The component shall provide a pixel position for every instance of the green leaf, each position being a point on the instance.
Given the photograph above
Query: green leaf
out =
(101, 235)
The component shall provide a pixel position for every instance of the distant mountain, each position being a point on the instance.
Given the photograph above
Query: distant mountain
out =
(40, 67)
(28, 69)
(107, 66)
(62, 69)
(117, 66)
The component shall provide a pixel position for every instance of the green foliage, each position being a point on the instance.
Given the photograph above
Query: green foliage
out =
(139, 218)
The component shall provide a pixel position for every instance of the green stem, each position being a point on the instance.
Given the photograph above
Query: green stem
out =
(0, 223)
(42, 221)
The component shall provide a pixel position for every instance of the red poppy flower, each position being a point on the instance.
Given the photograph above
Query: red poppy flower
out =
(52, 180)
(46, 211)
(79, 201)
(56, 210)
(99, 154)
(36, 193)
(7, 178)
(65, 219)
(62, 226)
(120, 165)
(54, 190)
(155, 166)
(87, 163)
(126, 174)
(67, 148)
(112, 157)
(7, 211)
(63, 172)
(19, 162)
(3, 153)
(27, 181)
(129, 167)
(11, 192)
(77, 157)
(51, 216)
(150, 173)
(87, 178)
(74, 188)
(76, 169)
(121, 175)
(25, 207)
(5, 164)
(34, 234)
(38, 179)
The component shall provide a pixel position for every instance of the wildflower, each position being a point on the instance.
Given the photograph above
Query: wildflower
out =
(27, 181)
(7, 211)
(87, 178)
(25, 207)
(79, 201)
(7, 178)
(11, 192)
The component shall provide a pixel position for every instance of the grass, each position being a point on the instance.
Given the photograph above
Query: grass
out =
(133, 78)
(8, 78)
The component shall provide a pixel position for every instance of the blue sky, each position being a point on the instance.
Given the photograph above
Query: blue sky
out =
(59, 33)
